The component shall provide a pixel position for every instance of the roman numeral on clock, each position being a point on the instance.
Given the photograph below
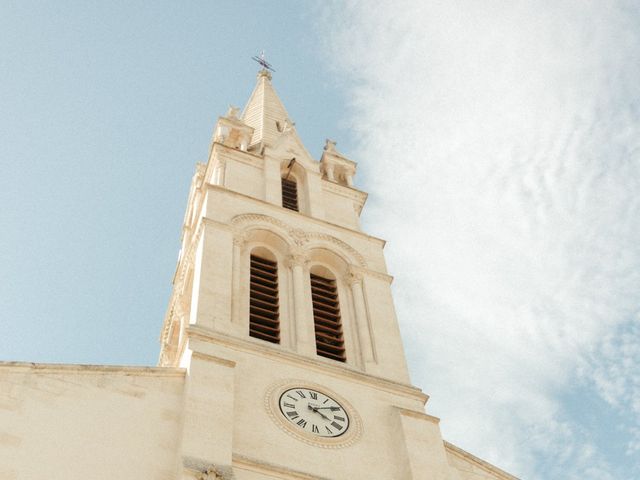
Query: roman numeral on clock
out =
(293, 415)
(336, 425)
(341, 419)
(299, 392)
(313, 395)
(289, 405)
(302, 422)
(314, 429)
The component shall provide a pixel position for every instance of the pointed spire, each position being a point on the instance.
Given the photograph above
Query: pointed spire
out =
(265, 112)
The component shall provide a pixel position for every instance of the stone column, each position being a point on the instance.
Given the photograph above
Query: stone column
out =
(219, 172)
(349, 178)
(354, 280)
(303, 323)
(329, 170)
(239, 241)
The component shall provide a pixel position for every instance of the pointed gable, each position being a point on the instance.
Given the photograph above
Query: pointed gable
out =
(265, 112)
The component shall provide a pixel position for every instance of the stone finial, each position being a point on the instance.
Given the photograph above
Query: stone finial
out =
(288, 125)
(233, 112)
(330, 146)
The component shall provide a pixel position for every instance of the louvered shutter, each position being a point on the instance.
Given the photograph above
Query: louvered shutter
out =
(326, 318)
(290, 194)
(264, 321)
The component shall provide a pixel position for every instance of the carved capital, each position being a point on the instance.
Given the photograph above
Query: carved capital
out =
(240, 240)
(353, 277)
(297, 259)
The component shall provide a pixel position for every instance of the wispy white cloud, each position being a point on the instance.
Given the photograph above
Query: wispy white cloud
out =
(501, 144)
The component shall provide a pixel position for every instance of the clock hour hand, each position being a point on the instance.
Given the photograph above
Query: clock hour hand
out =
(315, 409)
(333, 409)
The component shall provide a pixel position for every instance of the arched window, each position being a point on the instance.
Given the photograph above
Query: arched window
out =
(290, 194)
(264, 315)
(326, 318)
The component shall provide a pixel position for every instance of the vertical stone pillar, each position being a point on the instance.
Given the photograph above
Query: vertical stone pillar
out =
(354, 280)
(207, 436)
(272, 181)
(219, 173)
(239, 241)
(305, 337)
(212, 287)
(315, 198)
(329, 171)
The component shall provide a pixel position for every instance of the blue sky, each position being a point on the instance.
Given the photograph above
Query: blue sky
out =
(499, 142)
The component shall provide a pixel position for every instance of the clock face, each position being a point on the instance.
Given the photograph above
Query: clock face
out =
(314, 412)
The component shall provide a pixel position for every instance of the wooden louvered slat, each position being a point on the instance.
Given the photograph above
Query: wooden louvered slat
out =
(264, 315)
(290, 194)
(326, 318)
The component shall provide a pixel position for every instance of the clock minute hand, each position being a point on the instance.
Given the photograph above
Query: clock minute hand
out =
(333, 409)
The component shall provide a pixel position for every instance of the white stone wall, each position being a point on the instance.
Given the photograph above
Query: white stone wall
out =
(73, 422)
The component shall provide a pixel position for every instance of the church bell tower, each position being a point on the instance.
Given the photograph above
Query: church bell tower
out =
(282, 315)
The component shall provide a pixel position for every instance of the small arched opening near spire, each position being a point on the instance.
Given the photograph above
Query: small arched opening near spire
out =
(290, 194)
(289, 183)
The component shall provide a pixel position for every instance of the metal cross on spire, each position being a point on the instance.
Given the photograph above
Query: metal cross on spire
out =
(266, 65)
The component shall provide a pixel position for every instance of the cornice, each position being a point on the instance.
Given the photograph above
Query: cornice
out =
(419, 415)
(20, 367)
(478, 462)
(213, 359)
(274, 353)
(258, 466)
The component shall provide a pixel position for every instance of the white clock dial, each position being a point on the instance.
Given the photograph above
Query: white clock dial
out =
(314, 412)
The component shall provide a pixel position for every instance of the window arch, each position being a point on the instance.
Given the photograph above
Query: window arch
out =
(327, 319)
(264, 309)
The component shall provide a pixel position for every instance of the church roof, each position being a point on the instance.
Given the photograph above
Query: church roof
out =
(265, 112)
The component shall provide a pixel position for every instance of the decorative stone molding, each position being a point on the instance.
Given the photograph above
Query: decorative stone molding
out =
(209, 474)
(204, 470)
(339, 243)
(298, 237)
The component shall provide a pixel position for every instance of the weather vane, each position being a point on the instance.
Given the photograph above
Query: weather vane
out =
(266, 65)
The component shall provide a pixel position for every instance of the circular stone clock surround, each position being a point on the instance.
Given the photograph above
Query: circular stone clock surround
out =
(351, 425)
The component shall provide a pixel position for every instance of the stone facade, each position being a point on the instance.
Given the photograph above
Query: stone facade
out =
(212, 408)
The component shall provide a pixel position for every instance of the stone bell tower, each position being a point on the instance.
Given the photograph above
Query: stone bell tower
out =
(283, 318)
